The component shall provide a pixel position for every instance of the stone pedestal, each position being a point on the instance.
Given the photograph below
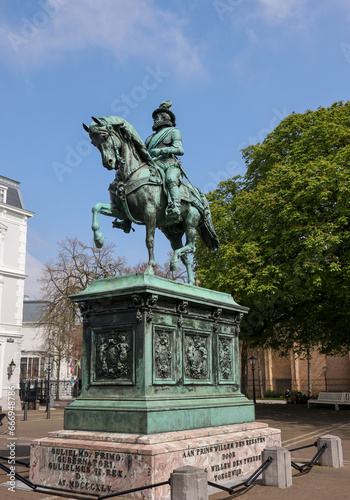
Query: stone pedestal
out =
(160, 390)
(105, 462)
(158, 356)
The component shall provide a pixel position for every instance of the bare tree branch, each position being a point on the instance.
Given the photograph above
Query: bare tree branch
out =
(75, 266)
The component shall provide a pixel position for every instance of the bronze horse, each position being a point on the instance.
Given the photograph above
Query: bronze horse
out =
(138, 195)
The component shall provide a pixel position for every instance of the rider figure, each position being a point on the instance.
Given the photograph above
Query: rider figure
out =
(163, 145)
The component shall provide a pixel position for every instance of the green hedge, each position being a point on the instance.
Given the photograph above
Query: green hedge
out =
(277, 394)
(281, 395)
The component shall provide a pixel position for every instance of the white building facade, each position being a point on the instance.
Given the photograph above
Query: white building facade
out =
(35, 363)
(13, 239)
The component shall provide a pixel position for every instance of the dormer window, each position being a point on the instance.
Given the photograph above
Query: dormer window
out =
(3, 194)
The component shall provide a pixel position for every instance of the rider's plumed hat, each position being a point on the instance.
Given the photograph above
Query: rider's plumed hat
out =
(164, 107)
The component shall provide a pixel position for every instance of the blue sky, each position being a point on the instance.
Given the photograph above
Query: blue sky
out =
(233, 69)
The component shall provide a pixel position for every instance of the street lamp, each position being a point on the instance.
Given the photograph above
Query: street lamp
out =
(324, 368)
(252, 361)
(11, 369)
(49, 356)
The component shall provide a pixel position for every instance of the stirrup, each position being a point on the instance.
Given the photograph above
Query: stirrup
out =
(125, 225)
(173, 212)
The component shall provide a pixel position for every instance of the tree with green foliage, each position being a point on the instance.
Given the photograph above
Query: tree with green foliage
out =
(284, 235)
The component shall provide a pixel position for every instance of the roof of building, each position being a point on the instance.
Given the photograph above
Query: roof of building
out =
(13, 196)
(32, 310)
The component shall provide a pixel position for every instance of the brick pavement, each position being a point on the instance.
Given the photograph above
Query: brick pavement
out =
(299, 427)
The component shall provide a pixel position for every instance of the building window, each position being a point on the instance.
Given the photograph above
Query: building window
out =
(3, 192)
(31, 368)
(23, 368)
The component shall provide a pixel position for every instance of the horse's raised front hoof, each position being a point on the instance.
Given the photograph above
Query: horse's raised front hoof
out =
(99, 241)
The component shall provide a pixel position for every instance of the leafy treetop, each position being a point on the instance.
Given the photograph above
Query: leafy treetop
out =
(284, 234)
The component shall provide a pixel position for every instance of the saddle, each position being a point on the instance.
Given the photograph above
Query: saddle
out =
(189, 194)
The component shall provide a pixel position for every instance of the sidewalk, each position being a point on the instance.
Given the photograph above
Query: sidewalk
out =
(299, 427)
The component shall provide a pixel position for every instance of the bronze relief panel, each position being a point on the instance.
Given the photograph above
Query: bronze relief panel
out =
(164, 355)
(226, 358)
(197, 357)
(112, 360)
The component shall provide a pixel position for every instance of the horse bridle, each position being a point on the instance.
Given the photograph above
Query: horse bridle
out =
(122, 183)
(111, 134)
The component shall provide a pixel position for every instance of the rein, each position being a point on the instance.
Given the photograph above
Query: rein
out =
(125, 187)
(120, 160)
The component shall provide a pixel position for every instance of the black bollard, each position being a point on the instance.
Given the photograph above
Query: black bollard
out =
(25, 415)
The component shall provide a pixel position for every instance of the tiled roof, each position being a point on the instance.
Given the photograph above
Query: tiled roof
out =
(13, 196)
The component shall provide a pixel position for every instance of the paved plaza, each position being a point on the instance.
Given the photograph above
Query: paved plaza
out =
(300, 426)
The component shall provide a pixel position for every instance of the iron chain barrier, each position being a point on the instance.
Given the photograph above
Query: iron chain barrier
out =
(238, 488)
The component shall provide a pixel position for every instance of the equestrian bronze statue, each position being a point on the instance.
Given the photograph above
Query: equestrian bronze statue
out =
(148, 188)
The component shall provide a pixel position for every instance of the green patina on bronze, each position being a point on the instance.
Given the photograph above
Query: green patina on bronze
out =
(158, 356)
(148, 187)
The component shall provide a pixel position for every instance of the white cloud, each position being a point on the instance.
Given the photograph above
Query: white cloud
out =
(279, 10)
(33, 271)
(136, 28)
(36, 241)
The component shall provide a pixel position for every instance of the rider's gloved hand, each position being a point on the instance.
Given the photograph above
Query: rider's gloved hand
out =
(155, 152)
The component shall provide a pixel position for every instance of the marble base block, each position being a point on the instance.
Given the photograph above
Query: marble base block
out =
(102, 462)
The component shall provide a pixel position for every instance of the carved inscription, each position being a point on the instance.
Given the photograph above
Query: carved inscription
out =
(230, 458)
(87, 470)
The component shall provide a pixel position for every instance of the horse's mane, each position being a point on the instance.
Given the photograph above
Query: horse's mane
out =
(128, 131)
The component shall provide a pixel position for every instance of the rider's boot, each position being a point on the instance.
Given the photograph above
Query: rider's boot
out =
(173, 210)
(124, 224)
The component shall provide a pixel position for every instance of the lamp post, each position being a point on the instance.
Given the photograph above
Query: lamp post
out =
(252, 361)
(49, 356)
(324, 368)
(11, 369)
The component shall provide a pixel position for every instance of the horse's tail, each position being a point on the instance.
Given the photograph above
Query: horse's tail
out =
(206, 229)
(207, 233)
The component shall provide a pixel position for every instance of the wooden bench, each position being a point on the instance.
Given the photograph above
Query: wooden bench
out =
(331, 398)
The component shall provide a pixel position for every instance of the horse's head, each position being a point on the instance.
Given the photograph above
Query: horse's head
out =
(106, 139)
(120, 145)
